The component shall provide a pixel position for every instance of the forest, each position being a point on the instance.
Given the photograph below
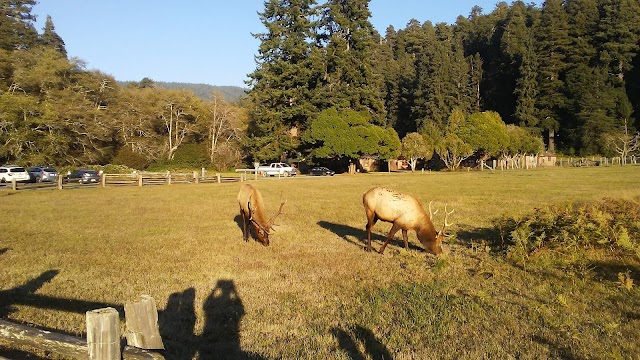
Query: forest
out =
(521, 79)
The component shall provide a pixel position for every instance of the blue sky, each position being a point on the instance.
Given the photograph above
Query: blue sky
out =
(206, 41)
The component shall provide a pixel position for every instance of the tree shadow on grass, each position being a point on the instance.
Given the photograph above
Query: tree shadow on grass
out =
(473, 236)
(4, 250)
(372, 346)
(556, 350)
(609, 270)
(358, 237)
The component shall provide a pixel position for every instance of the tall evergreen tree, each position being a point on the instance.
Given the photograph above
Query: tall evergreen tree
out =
(349, 79)
(552, 42)
(619, 35)
(280, 96)
(443, 81)
(16, 24)
(51, 39)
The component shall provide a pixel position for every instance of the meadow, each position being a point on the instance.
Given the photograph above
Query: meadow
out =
(315, 293)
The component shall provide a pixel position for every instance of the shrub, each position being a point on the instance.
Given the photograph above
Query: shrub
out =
(563, 232)
(125, 156)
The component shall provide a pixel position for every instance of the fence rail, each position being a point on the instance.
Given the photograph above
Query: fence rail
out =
(103, 335)
(134, 179)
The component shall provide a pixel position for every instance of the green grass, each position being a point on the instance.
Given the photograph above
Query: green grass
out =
(314, 293)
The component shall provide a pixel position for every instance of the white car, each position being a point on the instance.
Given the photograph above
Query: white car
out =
(8, 173)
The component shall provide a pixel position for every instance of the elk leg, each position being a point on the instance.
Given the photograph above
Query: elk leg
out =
(405, 237)
(394, 230)
(245, 237)
(371, 220)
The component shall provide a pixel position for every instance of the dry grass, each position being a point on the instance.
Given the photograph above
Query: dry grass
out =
(315, 293)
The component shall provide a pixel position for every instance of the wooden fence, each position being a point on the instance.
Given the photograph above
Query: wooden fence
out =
(134, 179)
(530, 162)
(103, 335)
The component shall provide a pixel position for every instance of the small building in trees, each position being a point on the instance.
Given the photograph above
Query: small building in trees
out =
(547, 159)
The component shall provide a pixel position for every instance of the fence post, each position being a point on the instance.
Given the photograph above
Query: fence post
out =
(203, 173)
(142, 323)
(168, 178)
(195, 177)
(59, 182)
(14, 185)
(103, 334)
(103, 179)
(140, 180)
(218, 177)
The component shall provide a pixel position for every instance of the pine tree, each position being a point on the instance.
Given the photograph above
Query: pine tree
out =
(619, 35)
(443, 78)
(517, 47)
(349, 79)
(51, 39)
(16, 24)
(552, 42)
(280, 96)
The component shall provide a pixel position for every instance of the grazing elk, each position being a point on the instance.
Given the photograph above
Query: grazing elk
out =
(252, 212)
(406, 213)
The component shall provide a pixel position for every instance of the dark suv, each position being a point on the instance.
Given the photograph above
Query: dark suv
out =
(43, 173)
(84, 176)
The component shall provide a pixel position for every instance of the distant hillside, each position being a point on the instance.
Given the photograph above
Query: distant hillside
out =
(204, 91)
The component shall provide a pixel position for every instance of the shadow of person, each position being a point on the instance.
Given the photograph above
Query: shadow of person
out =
(359, 237)
(372, 346)
(177, 324)
(4, 250)
(223, 311)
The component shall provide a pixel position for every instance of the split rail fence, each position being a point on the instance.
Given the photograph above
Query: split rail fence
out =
(134, 179)
(104, 340)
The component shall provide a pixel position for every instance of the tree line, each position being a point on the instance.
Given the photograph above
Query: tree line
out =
(327, 86)
(566, 72)
(54, 111)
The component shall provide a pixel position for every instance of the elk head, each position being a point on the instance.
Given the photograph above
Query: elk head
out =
(263, 229)
(435, 247)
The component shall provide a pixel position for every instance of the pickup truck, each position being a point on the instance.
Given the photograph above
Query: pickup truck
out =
(274, 169)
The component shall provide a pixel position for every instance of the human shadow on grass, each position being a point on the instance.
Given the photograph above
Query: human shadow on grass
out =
(220, 338)
(373, 348)
(358, 237)
(4, 250)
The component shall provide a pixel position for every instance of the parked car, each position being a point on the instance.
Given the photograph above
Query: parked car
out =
(321, 171)
(8, 173)
(84, 176)
(43, 173)
(275, 169)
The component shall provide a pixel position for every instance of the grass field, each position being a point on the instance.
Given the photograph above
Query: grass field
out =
(314, 293)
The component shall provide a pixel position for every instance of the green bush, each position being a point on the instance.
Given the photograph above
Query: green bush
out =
(191, 156)
(566, 232)
(125, 156)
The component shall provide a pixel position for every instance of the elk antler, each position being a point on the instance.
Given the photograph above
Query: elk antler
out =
(431, 213)
(273, 218)
(446, 216)
(250, 209)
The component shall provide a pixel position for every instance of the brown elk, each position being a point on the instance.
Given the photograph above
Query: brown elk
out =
(252, 212)
(406, 213)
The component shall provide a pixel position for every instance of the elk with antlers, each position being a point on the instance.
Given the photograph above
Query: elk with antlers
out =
(252, 212)
(406, 213)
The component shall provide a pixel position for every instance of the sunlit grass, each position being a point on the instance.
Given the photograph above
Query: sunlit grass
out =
(314, 293)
